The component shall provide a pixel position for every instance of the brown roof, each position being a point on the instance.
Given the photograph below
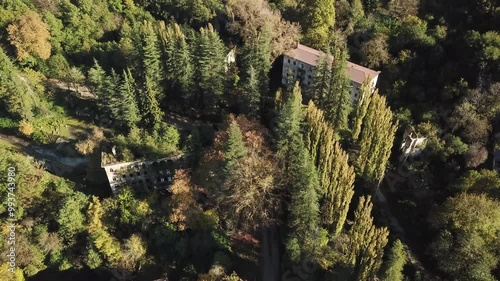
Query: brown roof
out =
(356, 73)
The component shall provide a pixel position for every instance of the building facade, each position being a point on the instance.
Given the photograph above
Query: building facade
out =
(302, 61)
(144, 175)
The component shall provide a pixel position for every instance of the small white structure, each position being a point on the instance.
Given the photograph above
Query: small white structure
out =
(230, 59)
(412, 144)
(302, 62)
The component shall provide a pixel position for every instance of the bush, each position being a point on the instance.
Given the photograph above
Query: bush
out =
(8, 125)
(40, 137)
(25, 128)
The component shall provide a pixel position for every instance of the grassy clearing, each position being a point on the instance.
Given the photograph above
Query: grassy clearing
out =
(54, 123)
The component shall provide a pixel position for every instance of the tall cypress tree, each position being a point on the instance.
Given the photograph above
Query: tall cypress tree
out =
(315, 130)
(377, 138)
(338, 183)
(335, 174)
(361, 108)
(368, 242)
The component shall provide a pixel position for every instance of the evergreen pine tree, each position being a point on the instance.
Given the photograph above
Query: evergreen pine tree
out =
(289, 138)
(209, 75)
(152, 69)
(96, 77)
(149, 107)
(257, 52)
(151, 77)
(129, 110)
(393, 268)
(112, 89)
(337, 103)
(250, 105)
(18, 99)
(321, 79)
(176, 60)
(107, 92)
(184, 64)
(235, 147)
(303, 218)
(300, 172)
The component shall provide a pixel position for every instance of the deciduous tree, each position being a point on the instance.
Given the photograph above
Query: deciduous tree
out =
(335, 174)
(467, 243)
(71, 219)
(30, 35)
(367, 240)
(249, 16)
(319, 19)
(377, 137)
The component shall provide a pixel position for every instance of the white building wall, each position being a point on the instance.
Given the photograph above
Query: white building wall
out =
(290, 64)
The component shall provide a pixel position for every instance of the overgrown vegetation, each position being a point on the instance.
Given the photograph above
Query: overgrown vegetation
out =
(123, 80)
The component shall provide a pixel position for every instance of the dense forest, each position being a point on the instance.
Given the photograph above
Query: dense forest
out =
(283, 182)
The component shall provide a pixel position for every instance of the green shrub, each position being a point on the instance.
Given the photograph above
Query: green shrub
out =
(8, 125)
(40, 137)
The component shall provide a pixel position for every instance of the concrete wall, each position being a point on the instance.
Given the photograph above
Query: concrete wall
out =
(144, 175)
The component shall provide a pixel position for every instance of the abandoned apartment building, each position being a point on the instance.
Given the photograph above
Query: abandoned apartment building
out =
(144, 175)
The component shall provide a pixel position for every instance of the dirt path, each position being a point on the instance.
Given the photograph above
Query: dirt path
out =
(53, 163)
(20, 143)
(270, 254)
